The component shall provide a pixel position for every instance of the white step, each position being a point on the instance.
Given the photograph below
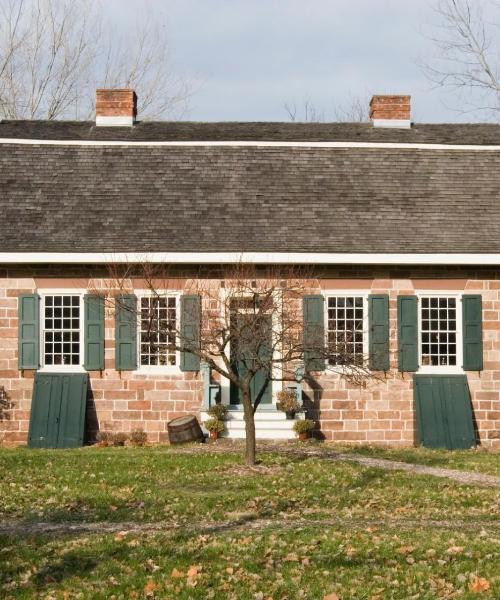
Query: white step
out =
(270, 424)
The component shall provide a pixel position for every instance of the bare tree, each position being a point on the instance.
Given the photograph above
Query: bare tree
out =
(54, 54)
(354, 110)
(468, 57)
(250, 329)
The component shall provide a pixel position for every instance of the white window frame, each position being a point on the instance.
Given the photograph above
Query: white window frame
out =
(157, 369)
(441, 369)
(347, 294)
(61, 368)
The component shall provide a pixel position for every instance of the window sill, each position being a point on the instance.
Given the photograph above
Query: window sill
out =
(62, 369)
(440, 371)
(167, 370)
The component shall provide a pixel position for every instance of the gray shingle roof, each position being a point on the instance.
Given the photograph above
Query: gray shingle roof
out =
(225, 131)
(125, 198)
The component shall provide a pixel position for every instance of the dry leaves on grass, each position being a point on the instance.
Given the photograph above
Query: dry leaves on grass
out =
(331, 597)
(479, 584)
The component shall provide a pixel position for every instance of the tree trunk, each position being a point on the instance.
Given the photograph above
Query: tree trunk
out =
(249, 429)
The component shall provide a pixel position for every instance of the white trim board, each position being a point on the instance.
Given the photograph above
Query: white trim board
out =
(258, 144)
(283, 258)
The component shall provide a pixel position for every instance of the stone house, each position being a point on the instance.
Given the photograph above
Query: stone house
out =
(400, 221)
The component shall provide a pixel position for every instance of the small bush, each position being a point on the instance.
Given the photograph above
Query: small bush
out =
(119, 439)
(287, 401)
(218, 411)
(303, 425)
(138, 437)
(104, 438)
(214, 425)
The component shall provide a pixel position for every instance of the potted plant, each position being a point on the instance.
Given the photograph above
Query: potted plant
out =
(303, 428)
(214, 426)
(287, 402)
(218, 411)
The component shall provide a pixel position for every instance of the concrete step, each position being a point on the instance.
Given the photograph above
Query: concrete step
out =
(270, 424)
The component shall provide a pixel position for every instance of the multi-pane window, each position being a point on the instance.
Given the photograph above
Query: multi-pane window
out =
(61, 330)
(345, 329)
(157, 331)
(439, 331)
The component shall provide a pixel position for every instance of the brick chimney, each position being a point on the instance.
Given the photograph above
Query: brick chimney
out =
(115, 108)
(390, 111)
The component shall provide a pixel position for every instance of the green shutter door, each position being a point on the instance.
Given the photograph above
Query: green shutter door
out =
(378, 327)
(29, 331)
(239, 363)
(472, 328)
(126, 333)
(407, 333)
(314, 332)
(94, 332)
(444, 411)
(190, 331)
(57, 418)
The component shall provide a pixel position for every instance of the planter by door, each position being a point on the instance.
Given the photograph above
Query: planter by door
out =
(57, 418)
(236, 353)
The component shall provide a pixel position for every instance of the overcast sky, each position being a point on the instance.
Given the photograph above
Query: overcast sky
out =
(249, 57)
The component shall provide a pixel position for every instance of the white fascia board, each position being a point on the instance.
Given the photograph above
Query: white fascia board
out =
(284, 258)
(246, 144)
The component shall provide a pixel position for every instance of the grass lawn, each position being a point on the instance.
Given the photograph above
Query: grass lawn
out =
(293, 528)
(477, 460)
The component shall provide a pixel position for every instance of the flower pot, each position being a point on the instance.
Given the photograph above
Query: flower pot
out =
(305, 435)
(290, 415)
(213, 435)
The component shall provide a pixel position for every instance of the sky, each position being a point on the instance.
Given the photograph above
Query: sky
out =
(246, 59)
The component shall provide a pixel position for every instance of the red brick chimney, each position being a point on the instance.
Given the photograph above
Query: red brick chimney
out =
(390, 111)
(115, 108)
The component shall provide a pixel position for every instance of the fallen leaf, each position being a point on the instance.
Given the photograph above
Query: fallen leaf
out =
(331, 597)
(479, 584)
(455, 550)
(193, 571)
(149, 589)
(176, 574)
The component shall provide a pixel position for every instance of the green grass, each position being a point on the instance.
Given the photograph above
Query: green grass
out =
(477, 460)
(330, 527)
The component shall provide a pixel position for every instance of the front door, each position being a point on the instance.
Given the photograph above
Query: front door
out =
(241, 358)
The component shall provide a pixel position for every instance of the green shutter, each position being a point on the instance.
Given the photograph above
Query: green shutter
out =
(378, 325)
(314, 332)
(94, 332)
(126, 333)
(57, 417)
(444, 412)
(472, 328)
(29, 331)
(190, 332)
(407, 333)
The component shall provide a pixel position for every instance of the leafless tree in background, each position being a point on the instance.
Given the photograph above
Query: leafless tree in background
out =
(54, 54)
(251, 327)
(354, 110)
(468, 57)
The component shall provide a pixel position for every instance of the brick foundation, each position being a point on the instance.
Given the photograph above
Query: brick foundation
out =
(382, 413)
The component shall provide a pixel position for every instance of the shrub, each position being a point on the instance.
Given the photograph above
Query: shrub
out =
(119, 439)
(287, 401)
(214, 424)
(218, 411)
(303, 425)
(104, 438)
(138, 437)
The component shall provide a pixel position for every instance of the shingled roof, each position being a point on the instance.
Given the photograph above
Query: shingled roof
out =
(187, 198)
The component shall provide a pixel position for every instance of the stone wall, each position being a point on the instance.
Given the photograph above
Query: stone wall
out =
(381, 413)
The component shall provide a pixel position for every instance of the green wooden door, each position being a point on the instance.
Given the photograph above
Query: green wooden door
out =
(241, 359)
(58, 410)
(444, 411)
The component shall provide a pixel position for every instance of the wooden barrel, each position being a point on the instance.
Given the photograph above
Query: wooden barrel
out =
(185, 429)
